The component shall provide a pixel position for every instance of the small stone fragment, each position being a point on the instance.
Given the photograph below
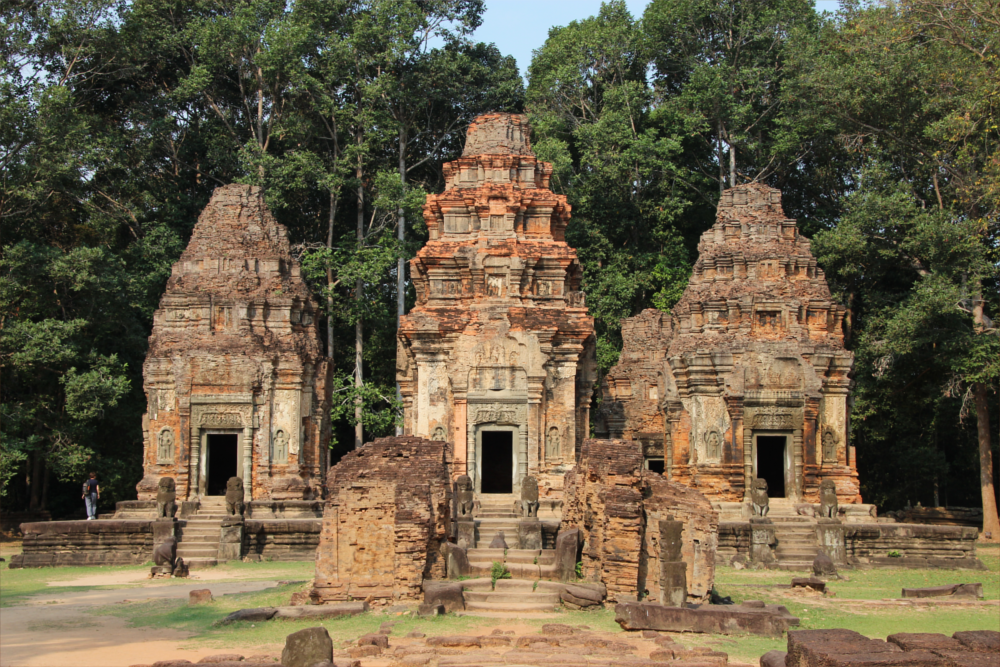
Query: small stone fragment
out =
(200, 596)
(380, 640)
(773, 659)
(307, 647)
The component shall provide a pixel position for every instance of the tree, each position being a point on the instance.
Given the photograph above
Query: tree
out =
(912, 87)
(636, 214)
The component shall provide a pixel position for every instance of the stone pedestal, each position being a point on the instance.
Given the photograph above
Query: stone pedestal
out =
(160, 572)
(673, 570)
(830, 536)
(761, 541)
(529, 533)
(162, 529)
(231, 539)
(466, 534)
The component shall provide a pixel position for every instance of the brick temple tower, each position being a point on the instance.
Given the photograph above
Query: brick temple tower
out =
(497, 356)
(747, 376)
(235, 378)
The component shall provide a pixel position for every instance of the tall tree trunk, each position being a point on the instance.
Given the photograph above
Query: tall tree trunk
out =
(329, 276)
(36, 481)
(46, 475)
(732, 165)
(400, 263)
(722, 174)
(359, 295)
(991, 523)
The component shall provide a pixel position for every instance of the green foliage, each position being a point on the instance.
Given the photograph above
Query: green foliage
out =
(498, 571)
(579, 569)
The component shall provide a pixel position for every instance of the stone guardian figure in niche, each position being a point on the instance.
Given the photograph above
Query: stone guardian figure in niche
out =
(552, 444)
(439, 434)
(464, 498)
(829, 446)
(828, 499)
(234, 496)
(280, 447)
(529, 497)
(713, 446)
(758, 497)
(166, 498)
(165, 446)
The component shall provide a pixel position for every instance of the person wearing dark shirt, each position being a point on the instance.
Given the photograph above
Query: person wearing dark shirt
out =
(91, 494)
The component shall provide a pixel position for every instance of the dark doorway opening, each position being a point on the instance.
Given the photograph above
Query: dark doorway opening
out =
(498, 462)
(655, 465)
(222, 459)
(771, 463)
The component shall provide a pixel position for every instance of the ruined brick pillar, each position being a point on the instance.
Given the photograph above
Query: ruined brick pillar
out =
(497, 356)
(235, 377)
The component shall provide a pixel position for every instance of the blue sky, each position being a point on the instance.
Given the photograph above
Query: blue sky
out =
(519, 26)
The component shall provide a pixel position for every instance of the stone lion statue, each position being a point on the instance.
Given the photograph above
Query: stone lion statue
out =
(828, 499)
(529, 497)
(234, 496)
(166, 498)
(166, 552)
(464, 497)
(758, 497)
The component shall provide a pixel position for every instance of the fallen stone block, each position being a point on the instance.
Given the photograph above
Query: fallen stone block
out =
(427, 610)
(970, 659)
(845, 648)
(455, 641)
(924, 641)
(557, 629)
(221, 657)
(306, 648)
(200, 596)
(366, 651)
(322, 610)
(382, 641)
(447, 593)
(495, 640)
(980, 641)
(809, 582)
(767, 621)
(969, 590)
(254, 615)
(773, 659)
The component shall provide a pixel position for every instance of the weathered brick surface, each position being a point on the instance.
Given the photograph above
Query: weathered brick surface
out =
(604, 500)
(754, 347)
(700, 538)
(499, 338)
(235, 348)
(387, 512)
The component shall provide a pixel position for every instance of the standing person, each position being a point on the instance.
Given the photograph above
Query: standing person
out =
(91, 494)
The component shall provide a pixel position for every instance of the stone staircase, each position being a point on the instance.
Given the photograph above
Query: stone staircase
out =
(511, 595)
(198, 535)
(496, 512)
(796, 536)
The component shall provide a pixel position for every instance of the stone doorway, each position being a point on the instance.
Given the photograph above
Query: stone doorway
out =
(221, 462)
(772, 463)
(497, 460)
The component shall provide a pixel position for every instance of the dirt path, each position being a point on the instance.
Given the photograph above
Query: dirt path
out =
(57, 630)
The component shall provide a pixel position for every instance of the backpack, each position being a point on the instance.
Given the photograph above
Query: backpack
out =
(86, 487)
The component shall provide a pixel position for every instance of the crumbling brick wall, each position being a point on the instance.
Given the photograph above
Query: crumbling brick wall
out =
(663, 499)
(387, 512)
(604, 500)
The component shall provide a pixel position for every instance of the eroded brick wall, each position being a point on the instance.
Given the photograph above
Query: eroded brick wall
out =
(387, 512)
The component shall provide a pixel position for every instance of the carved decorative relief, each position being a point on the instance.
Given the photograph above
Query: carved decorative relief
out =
(280, 446)
(499, 413)
(165, 445)
(222, 416)
(830, 441)
(772, 418)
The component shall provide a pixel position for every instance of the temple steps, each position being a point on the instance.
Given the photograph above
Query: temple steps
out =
(511, 595)
(198, 535)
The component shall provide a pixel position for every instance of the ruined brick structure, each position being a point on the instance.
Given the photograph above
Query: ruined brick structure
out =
(748, 375)
(387, 513)
(617, 506)
(496, 358)
(235, 377)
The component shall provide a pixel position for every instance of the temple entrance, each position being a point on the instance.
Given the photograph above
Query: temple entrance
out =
(222, 461)
(497, 462)
(771, 466)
